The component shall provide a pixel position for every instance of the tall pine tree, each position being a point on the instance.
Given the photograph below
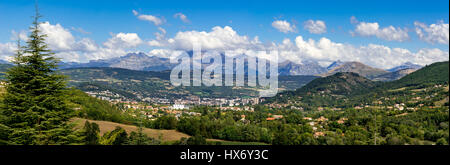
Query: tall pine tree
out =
(34, 108)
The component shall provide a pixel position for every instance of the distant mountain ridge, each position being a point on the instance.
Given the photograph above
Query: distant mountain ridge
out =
(306, 68)
(356, 67)
(132, 61)
(143, 62)
(335, 64)
(395, 75)
(407, 65)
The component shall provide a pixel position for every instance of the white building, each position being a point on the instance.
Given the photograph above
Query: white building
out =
(179, 106)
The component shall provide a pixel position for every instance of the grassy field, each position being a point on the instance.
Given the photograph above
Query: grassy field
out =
(164, 135)
(106, 126)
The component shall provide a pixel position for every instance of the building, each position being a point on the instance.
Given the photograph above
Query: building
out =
(277, 116)
(179, 106)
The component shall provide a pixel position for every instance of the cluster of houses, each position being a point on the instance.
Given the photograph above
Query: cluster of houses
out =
(274, 117)
(317, 123)
(107, 95)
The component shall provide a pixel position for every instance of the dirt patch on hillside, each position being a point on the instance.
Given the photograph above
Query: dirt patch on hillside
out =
(106, 126)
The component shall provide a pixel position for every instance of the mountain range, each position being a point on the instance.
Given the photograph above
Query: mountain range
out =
(356, 67)
(407, 65)
(306, 68)
(143, 62)
(132, 61)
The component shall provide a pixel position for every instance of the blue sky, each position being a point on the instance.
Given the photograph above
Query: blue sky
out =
(101, 19)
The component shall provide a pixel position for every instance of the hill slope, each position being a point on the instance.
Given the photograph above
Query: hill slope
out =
(342, 83)
(350, 89)
(356, 67)
(395, 75)
(326, 91)
(436, 73)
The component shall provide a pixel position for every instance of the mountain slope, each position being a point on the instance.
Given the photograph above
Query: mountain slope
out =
(335, 64)
(436, 73)
(429, 84)
(132, 61)
(326, 91)
(356, 67)
(395, 75)
(407, 65)
(342, 83)
(307, 68)
(425, 86)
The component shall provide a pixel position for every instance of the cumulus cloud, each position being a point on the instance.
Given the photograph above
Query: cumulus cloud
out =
(22, 35)
(222, 38)
(123, 40)
(283, 26)
(389, 33)
(58, 38)
(155, 20)
(434, 33)
(160, 38)
(7, 50)
(324, 50)
(182, 17)
(71, 49)
(315, 27)
(165, 53)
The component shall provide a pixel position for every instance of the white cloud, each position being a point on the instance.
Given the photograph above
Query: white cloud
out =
(155, 20)
(135, 13)
(389, 33)
(434, 33)
(85, 45)
(123, 40)
(70, 49)
(7, 50)
(219, 38)
(160, 38)
(165, 53)
(80, 30)
(58, 38)
(22, 35)
(315, 27)
(379, 56)
(160, 35)
(283, 26)
(323, 51)
(182, 17)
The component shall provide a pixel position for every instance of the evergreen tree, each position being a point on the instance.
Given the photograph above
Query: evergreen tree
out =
(92, 131)
(117, 136)
(139, 138)
(34, 103)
